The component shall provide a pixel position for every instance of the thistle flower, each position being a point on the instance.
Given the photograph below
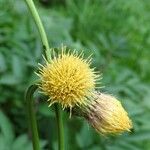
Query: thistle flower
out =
(106, 114)
(67, 79)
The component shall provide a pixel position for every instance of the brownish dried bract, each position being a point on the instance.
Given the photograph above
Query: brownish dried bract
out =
(106, 114)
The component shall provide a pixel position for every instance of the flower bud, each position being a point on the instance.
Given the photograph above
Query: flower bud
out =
(106, 114)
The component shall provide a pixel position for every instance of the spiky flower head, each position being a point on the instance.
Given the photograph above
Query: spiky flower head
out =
(67, 79)
(106, 114)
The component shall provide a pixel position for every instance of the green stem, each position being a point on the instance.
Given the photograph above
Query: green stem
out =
(60, 127)
(31, 117)
(40, 27)
(44, 39)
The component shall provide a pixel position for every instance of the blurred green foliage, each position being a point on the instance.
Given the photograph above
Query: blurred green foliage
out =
(116, 32)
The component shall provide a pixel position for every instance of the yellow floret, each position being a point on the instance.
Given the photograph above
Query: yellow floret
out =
(67, 79)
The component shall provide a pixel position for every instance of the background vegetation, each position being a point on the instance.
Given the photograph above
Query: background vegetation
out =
(116, 32)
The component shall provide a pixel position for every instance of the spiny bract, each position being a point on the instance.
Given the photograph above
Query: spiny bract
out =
(67, 79)
(107, 115)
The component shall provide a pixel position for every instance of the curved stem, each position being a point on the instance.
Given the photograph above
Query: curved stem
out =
(48, 57)
(60, 127)
(40, 28)
(31, 116)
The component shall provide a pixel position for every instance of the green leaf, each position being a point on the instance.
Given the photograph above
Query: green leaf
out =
(22, 143)
(9, 79)
(2, 63)
(6, 128)
(45, 110)
(84, 138)
(139, 136)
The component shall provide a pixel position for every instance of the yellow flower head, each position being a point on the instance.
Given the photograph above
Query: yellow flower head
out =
(67, 79)
(106, 115)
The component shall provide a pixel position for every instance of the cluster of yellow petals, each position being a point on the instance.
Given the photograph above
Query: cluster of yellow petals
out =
(107, 115)
(67, 79)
